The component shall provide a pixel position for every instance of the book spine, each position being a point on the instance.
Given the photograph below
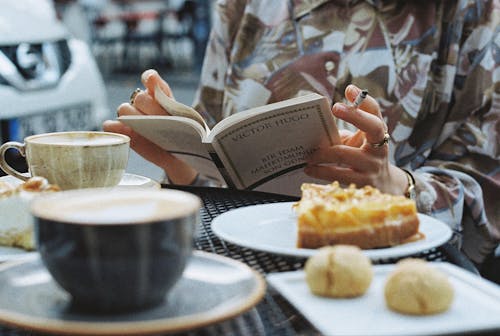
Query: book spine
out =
(220, 166)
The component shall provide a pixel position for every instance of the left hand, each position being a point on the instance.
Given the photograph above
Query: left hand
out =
(178, 171)
(357, 160)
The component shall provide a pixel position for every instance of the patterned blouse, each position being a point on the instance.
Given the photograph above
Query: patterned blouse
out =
(433, 66)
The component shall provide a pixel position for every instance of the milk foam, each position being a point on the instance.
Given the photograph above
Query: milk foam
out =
(132, 210)
(78, 139)
(93, 206)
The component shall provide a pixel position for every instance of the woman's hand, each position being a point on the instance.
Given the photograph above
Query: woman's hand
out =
(362, 158)
(144, 103)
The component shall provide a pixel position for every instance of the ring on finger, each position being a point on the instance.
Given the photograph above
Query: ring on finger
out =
(133, 95)
(383, 142)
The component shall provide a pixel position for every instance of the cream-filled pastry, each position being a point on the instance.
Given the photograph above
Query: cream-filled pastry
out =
(16, 222)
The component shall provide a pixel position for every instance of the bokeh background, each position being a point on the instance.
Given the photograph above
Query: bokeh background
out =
(125, 37)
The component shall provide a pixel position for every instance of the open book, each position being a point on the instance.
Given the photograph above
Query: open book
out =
(262, 148)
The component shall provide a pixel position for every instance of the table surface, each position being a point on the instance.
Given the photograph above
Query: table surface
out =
(273, 315)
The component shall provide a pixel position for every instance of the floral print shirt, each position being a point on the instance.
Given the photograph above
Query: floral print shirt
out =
(433, 66)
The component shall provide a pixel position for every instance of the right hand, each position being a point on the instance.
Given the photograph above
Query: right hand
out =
(178, 171)
(356, 160)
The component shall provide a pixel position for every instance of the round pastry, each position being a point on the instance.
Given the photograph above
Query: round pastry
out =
(417, 288)
(340, 271)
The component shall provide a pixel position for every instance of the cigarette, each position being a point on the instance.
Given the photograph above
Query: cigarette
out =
(359, 99)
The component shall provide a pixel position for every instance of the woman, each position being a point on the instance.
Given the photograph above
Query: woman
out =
(431, 68)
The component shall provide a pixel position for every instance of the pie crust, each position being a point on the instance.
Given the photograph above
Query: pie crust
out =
(365, 217)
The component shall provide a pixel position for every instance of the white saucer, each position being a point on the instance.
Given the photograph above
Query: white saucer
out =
(128, 180)
(133, 180)
(14, 253)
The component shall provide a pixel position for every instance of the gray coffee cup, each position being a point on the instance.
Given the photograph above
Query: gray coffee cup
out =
(116, 250)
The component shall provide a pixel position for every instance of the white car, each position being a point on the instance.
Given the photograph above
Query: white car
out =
(49, 80)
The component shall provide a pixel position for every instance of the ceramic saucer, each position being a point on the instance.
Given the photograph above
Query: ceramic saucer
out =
(133, 180)
(128, 180)
(212, 289)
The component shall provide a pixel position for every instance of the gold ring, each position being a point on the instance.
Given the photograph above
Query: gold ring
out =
(384, 141)
(133, 95)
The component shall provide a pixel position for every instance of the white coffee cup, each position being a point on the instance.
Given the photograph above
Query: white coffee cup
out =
(72, 160)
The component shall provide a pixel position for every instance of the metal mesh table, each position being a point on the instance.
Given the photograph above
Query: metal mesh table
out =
(273, 315)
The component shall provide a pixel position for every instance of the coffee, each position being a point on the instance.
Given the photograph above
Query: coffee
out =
(118, 207)
(78, 139)
(113, 249)
(72, 160)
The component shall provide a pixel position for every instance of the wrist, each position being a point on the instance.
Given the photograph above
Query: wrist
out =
(179, 172)
(410, 191)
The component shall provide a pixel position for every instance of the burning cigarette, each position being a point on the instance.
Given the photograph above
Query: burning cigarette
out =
(359, 99)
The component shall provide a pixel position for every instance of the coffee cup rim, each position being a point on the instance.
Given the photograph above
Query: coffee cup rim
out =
(45, 206)
(124, 138)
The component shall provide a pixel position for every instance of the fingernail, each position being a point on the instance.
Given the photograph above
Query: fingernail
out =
(339, 108)
(146, 74)
(354, 88)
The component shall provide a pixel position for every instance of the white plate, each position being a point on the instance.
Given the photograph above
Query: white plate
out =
(272, 228)
(212, 289)
(128, 180)
(476, 306)
(13, 253)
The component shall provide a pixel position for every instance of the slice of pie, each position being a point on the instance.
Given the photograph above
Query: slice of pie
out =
(16, 222)
(365, 217)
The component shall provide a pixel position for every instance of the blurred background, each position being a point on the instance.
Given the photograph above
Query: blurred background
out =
(68, 64)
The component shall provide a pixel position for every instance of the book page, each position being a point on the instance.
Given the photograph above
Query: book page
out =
(178, 109)
(268, 145)
(179, 136)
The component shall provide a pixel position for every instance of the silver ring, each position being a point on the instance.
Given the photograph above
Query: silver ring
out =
(384, 141)
(133, 95)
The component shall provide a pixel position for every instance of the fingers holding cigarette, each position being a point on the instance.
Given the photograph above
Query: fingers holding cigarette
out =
(362, 100)
(364, 113)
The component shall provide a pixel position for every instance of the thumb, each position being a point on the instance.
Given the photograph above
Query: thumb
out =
(150, 79)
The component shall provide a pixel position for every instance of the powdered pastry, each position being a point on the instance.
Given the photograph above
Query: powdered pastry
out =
(415, 287)
(16, 222)
(339, 271)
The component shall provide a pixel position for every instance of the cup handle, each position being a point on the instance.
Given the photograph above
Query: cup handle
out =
(21, 148)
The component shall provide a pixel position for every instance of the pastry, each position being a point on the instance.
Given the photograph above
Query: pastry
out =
(417, 288)
(365, 217)
(340, 271)
(16, 222)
